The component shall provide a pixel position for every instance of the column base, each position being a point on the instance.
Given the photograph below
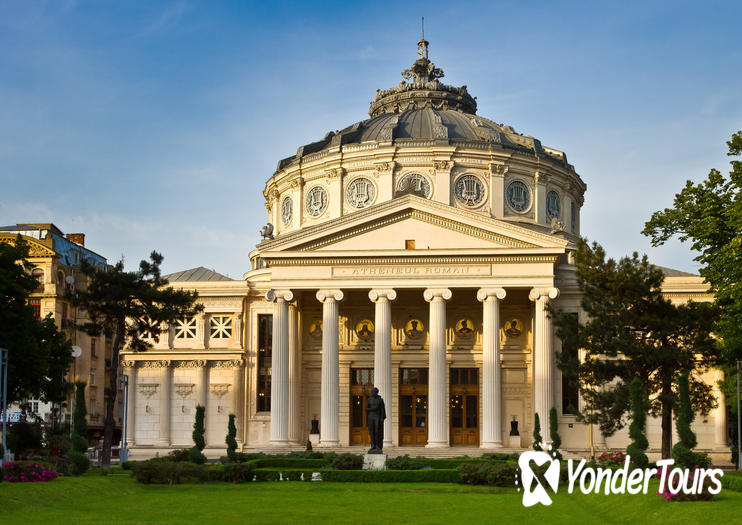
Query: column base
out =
(388, 444)
(279, 442)
(491, 444)
(163, 444)
(326, 443)
(437, 444)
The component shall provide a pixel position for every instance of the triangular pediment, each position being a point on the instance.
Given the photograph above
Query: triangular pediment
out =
(35, 248)
(430, 225)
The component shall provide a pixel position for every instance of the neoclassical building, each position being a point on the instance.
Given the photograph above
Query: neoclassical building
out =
(415, 251)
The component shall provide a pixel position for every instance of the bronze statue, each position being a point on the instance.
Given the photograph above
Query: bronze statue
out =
(375, 416)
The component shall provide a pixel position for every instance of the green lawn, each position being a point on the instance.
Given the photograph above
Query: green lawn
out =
(119, 499)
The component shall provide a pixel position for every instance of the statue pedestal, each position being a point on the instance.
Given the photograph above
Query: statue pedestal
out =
(374, 462)
(514, 441)
(314, 439)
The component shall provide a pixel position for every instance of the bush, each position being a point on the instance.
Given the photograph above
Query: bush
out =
(237, 472)
(180, 454)
(242, 457)
(292, 463)
(231, 435)
(79, 463)
(127, 465)
(346, 461)
(168, 472)
(196, 456)
(405, 463)
(611, 459)
(27, 471)
(307, 454)
(500, 456)
(493, 474)
(393, 476)
(23, 437)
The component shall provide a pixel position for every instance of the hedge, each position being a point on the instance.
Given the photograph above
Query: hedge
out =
(392, 476)
(733, 482)
(292, 463)
(496, 474)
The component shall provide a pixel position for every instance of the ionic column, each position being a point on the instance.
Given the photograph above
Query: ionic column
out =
(237, 399)
(330, 369)
(203, 382)
(294, 377)
(165, 402)
(720, 412)
(437, 402)
(543, 357)
(280, 366)
(383, 353)
(491, 373)
(130, 370)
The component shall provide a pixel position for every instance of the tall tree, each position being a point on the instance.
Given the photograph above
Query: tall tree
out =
(129, 307)
(633, 331)
(39, 355)
(709, 215)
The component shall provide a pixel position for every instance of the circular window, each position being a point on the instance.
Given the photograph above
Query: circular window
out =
(360, 193)
(287, 209)
(553, 206)
(414, 184)
(316, 201)
(469, 190)
(518, 196)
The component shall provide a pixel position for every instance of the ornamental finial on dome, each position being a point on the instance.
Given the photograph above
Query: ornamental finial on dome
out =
(423, 70)
(422, 45)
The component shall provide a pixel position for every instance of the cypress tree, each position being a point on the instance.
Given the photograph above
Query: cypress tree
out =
(556, 439)
(682, 452)
(231, 441)
(79, 461)
(195, 454)
(639, 442)
(537, 439)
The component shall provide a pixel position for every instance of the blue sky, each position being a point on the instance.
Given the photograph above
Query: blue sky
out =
(154, 125)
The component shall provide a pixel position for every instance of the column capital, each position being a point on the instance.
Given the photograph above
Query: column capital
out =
(432, 293)
(329, 295)
(279, 295)
(128, 364)
(379, 293)
(484, 293)
(543, 293)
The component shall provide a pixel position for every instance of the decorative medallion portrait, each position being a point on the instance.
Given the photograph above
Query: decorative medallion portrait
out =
(414, 184)
(360, 193)
(414, 328)
(287, 210)
(518, 196)
(513, 328)
(469, 190)
(365, 329)
(316, 201)
(464, 327)
(553, 206)
(315, 328)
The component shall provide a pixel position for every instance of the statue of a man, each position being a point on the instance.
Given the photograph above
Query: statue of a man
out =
(375, 416)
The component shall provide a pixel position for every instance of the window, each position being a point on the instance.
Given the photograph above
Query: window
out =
(38, 273)
(92, 406)
(34, 407)
(570, 390)
(36, 306)
(414, 376)
(221, 327)
(92, 378)
(409, 244)
(265, 356)
(60, 278)
(464, 376)
(92, 347)
(362, 376)
(185, 328)
(65, 311)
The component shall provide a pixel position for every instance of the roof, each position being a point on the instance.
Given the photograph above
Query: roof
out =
(670, 272)
(197, 274)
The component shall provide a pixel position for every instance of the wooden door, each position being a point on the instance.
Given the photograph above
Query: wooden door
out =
(464, 406)
(361, 383)
(413, 406)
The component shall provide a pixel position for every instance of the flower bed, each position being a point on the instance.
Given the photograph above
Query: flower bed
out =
(27, 471)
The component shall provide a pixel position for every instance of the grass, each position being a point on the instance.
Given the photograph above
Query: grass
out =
(114, 499)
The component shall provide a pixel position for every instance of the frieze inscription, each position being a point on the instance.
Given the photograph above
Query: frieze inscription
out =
(454, 270)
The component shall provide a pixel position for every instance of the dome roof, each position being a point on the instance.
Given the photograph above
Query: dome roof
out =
(425, 109)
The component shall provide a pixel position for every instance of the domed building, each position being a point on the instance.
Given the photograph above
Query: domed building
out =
(415, 251)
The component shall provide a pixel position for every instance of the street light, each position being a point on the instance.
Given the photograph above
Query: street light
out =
(123, 450)
(4, 380)
(739, 422)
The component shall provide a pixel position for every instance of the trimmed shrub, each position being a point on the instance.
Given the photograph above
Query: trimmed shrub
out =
(27, 471)
(537, 439)
(231, 440)
(168, 472)
(127, 465)
(79, 463)
(346, 461)
(500, 456)
(306, 454)
(292, 463)
(196, 456)
(682, 452)
(242, 457)
(732, 482)
(556, 439)
(639, 442)
(236, 472)
(180, 454)
(493, 474)
(393, 476)
(405, 463)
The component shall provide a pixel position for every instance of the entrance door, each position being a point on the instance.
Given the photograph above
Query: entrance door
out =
(413, 406)
(361, 383)
(464, 406)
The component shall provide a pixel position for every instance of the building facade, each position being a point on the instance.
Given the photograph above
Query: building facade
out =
(56, 260)
(416, 251)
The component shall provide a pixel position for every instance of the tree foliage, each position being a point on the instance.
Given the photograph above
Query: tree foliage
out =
(682, 452)
(231, 438)
(537, 439)
(633, 331)
(129, 307)
(639, 442)
(39, 355)
(709, 215)
(77, 454)
(556, 439)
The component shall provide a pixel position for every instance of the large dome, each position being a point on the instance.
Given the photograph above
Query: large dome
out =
(426, 109)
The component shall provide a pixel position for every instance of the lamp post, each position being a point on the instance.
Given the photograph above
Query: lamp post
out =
(4, 381)
(123, 450)
(739, 422)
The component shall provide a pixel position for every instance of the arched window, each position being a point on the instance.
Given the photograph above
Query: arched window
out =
(60, 278)
(38, 273)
